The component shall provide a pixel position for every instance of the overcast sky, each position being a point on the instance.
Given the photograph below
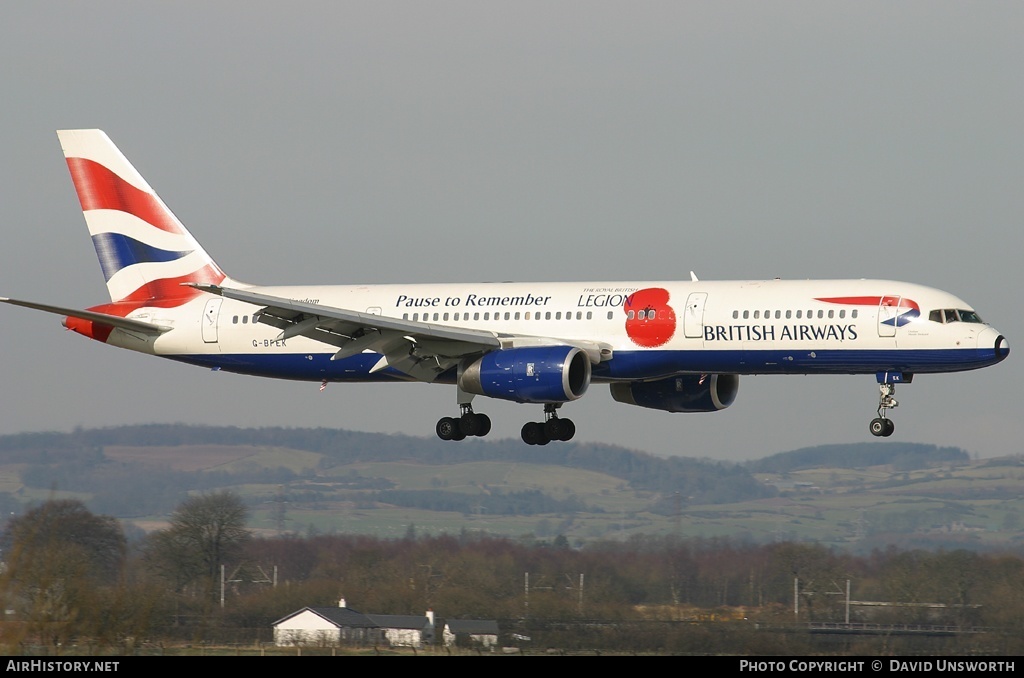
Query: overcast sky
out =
(536, 141)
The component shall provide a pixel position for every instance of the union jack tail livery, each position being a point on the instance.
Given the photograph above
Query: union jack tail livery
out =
(144, 251)
(674, 346)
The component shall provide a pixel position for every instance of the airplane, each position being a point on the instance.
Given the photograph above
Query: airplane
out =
(672, 346)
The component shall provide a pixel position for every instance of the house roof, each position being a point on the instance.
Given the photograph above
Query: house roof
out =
(400, 621)
(474, 626)
(339, 616)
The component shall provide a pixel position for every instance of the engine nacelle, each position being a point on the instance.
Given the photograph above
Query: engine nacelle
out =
(540, 374)
(685, 393)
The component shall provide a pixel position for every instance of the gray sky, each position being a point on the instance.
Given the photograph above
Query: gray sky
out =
(416, 142)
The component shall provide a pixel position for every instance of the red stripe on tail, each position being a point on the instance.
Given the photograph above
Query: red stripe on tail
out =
(101, 189)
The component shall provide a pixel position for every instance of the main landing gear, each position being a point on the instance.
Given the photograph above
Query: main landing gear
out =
(552, 428)
(468, 424)
(883, 426)
(534, 433)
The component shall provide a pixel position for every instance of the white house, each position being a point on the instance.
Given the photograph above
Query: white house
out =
(406, 630)
(481, 631)
(326, 626)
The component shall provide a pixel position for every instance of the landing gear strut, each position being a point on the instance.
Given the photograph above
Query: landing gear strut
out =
(882, 426)
(468, 424)
(552, 428)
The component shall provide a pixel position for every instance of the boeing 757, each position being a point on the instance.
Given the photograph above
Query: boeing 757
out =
(674, 346)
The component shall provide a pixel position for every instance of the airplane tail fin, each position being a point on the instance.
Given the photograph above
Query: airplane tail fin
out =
(144, 251)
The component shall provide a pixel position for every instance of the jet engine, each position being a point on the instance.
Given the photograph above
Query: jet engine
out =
(684, 393)
(536, 374)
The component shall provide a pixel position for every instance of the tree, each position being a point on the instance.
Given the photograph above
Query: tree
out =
(59, 556)
(206, 531)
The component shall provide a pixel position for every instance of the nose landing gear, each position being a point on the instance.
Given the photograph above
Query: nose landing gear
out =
(882, 426)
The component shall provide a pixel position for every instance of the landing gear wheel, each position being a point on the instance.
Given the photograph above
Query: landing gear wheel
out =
(533, 434)
(560, 429)
(568, 430)
(553, 429)
(470, 424)
(447, 428)
(485, 424)
(889, 428)
(879, 427)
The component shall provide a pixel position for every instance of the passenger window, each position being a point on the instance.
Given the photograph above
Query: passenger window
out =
(757, 314)
(590, 315)
(778, 314)
(799, 314)
(517, 315)
(830, 314)
(842, 313)
(234, 320)
(746, 315)
(245, 319)
(853, 313)
(789, 314)
(610, 315)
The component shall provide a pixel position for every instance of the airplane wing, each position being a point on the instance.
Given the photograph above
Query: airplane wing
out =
(419, 349)
(102, 318)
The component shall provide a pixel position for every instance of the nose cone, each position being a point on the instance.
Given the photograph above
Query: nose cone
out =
(1002, 347)
(991, 340)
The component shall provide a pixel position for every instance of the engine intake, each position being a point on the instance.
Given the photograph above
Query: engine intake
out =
(542, 374)
(685, 393)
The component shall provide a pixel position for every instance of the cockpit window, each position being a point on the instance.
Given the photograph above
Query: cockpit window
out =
(969, 316)
(952, 315)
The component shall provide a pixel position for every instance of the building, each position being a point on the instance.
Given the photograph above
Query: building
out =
(482, 632)
(326, 626)
(406, 630)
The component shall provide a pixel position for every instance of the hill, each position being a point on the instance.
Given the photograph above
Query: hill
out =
(902, 456)
(134, 471)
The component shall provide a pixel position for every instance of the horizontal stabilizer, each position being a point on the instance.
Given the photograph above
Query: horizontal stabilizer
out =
(102, 318)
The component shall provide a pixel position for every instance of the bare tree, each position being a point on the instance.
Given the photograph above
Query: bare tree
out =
(206, 531)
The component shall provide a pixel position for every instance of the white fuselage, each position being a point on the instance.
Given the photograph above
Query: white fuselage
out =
(734, 327)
